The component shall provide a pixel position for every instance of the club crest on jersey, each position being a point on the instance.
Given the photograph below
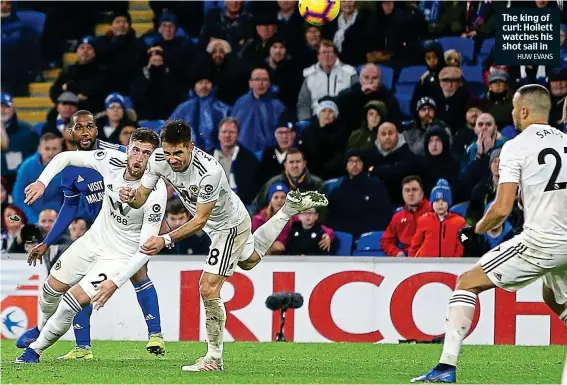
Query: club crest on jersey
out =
(194, 189)
(100, 154)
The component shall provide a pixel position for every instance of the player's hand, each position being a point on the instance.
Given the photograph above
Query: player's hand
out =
(471, 241)
(127, 194)
(325, 242)
(153, 245)
(104, 291)
(37, 253)
(33, 192)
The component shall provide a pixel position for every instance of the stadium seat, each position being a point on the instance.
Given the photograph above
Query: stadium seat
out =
(33, 19)
(344, 243)
(387, 76)
(403, 96)
(301, 125)
(460, 209)
(463, 45)
(330, 185)
(477, 88)
(37, 128)
(369, 245)
(473, 73)
(411, 74)
(155, 125)
(486, 47)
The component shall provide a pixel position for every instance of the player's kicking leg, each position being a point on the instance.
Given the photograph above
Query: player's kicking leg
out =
(295, 203)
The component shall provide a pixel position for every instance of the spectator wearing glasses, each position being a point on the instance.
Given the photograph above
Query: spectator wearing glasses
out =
(258, 111)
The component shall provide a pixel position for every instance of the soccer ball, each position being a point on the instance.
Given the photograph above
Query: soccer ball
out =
(319, 12)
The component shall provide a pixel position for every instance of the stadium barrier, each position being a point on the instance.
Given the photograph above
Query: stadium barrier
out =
(359, 299)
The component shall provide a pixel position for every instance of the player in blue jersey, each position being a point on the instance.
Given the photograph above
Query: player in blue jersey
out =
(83, 190)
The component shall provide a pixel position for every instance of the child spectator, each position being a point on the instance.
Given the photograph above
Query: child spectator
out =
(307, 237)
(13, 219)
(437, 233)
(276, 199)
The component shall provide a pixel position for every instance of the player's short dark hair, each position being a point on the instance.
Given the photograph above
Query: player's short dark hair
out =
(412, 178)
(175, 207)
(79, 113)
(536, 96)
(294, 150)
(145, 135)
(230, 119)
(176, 131)
(48, 136)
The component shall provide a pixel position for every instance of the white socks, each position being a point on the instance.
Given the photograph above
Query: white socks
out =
(267, 234)
(459, 319)
(215, 315)
(48, 301)
(58, 324)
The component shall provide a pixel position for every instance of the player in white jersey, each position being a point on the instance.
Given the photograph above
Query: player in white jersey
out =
(203, 187)
(535, 162)
(109, 250)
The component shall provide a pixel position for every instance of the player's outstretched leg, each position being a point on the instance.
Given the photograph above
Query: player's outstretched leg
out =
(457, 325)
(266, 235)
(215, 315)
(82, 330)
(57, 325)
(148, 300)
(49, 298)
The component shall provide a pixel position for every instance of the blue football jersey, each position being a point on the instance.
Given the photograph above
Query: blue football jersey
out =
(87, 184)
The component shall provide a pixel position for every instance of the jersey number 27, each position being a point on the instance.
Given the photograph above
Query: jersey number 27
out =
(553, 185)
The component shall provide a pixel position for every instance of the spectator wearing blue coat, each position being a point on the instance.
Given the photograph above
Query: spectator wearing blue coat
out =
(49, 146)
(22, 141)
(203, 110)
(258, 112)
(562, 45)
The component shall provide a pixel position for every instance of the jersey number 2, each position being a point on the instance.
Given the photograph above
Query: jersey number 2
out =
(102, 277)
(553, 185)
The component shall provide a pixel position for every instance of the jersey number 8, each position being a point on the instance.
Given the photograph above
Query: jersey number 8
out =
(214, 258)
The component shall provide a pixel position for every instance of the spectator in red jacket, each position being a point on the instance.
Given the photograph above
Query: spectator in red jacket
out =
(437, 233)
(397, 237)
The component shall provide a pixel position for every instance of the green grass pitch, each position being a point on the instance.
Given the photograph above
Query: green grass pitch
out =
(289, 363)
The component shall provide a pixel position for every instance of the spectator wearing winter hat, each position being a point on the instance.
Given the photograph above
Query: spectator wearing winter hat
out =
(434, 60)
(276, 199)
(86, 78)
(374, 113)
(424, 121)
(155, 91)
(558, 88)
(22, 141)
(203, 110)
(295, 176)
(60, 116)
(284, 72)
(306, 53)
(326, 78)
(256, 48)
(239, 163)
(258, 111)
(391, 160)
(231, 23)
(110, 125)
(273, 158)
(121, 53)
(308, 237)
(352, 100)
(498, 99)
(465, 134)
(324, 141)
(397, 237)
(437, 233)
(358, 203)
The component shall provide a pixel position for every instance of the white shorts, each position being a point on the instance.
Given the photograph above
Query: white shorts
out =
(556, 280)
(513, 265)
(228, 247)
(87, 264)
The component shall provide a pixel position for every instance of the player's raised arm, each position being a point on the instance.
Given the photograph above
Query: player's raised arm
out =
(92, 159)
(137, 197)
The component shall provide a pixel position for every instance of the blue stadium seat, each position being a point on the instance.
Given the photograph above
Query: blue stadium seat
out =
(344, 243)
(301, 125)
(403, 96)
(477, 88)
(369, 245)
(387, 76)
(460, 209)
(37, 128)
(155, 125)
(463, 45)
(486, 47)
(411, 74)
(33, 19)
(369, 253)
(473, 73)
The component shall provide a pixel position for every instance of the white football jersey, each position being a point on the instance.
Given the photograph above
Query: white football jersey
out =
(536, 159)
(204, 181)
(118, 226)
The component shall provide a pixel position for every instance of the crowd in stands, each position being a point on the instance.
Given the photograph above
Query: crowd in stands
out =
(401, 132)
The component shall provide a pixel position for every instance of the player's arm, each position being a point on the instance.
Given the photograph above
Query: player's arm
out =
(91, 159)
(154, 211)
(510, 168)
(136, 198)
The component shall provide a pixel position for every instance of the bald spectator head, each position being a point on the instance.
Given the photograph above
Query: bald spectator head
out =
(485, 123)
(450, 79)
(388, 136)
(532, 105)
(370, 78)
(46, 220)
